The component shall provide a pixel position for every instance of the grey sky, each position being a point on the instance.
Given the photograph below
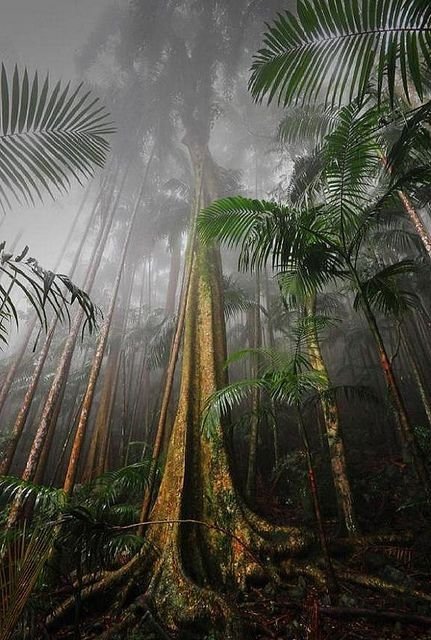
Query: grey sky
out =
(46, 33)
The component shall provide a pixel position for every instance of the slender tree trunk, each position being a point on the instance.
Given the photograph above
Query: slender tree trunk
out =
(16, 361)
(4, 392)
(271, 342)
(416, 221)
(332, 581)
(417, 374)
(43, 460)
(406, 433)
(98, 356)
(174, 272)
(62, 369)
(104, 414)
(255, 343)
(18, 427)
(333, 433)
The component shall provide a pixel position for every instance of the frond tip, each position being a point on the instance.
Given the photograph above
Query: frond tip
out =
(47, 135)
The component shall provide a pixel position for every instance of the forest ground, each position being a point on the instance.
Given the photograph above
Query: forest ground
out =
(395, 549)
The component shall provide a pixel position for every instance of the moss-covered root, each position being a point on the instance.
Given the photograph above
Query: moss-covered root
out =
(110, 580)
(374, 582)
(184, 606)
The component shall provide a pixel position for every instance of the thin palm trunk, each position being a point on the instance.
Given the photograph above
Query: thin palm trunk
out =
(6, 386)
(21, 419)
(104, 415)
(98, 356)
(417, 374)
(271, 343)
(16, 361)
(174, 272)
(42, 464)
(405, 430)
(332, 581)
(22, 416)
(333, 432)
(255, 342)
(62, 370)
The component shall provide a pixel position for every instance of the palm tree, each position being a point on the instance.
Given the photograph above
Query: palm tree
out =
(315, 246)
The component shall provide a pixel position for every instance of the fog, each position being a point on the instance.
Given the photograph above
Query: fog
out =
(45, 35)
(215, 406)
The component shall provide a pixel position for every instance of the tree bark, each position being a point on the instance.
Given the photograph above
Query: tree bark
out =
(405, 430)
(87, 403)
(333, 433)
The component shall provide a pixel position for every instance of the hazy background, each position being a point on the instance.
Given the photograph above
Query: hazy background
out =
(45, 35)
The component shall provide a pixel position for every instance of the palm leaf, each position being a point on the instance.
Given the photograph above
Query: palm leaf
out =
(332, 49)
(43, 290)
(23, 559)
(47, 135)
(297, 241)
(352, 158)
(307, 125)
(383, 292)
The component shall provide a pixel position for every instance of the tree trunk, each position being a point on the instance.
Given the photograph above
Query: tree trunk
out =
(63, 367)
(333, 432)
(332, 582)
(98, 356)
(104, 414)
(197, 481)
(4, 392)
(174, 272)
(255, 343)
(406, 433)
(417, 375)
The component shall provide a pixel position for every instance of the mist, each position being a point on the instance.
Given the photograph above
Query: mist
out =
(215, 410)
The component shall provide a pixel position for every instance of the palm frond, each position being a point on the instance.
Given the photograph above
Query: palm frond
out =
(307, 125)
(47, 135)
(236, 299)
(43, 289)
(23, 559)
(333, 48)
(221, 402)
(112, 485)
(352, 158)
(47, 500)
(264, 230)
(383, 292)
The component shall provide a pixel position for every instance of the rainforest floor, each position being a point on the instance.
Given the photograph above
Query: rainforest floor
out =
(398, 554)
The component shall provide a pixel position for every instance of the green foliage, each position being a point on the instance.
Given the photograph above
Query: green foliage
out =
(23, 557)
(46, 135)
(284, 378)
(383, 292)
(332, 50)
(43, 289)
(87, 523)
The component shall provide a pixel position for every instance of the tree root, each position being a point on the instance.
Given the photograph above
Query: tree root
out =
(182, 604)
(408, 618)
(318, 576)
(374, 582)
(108, 581)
